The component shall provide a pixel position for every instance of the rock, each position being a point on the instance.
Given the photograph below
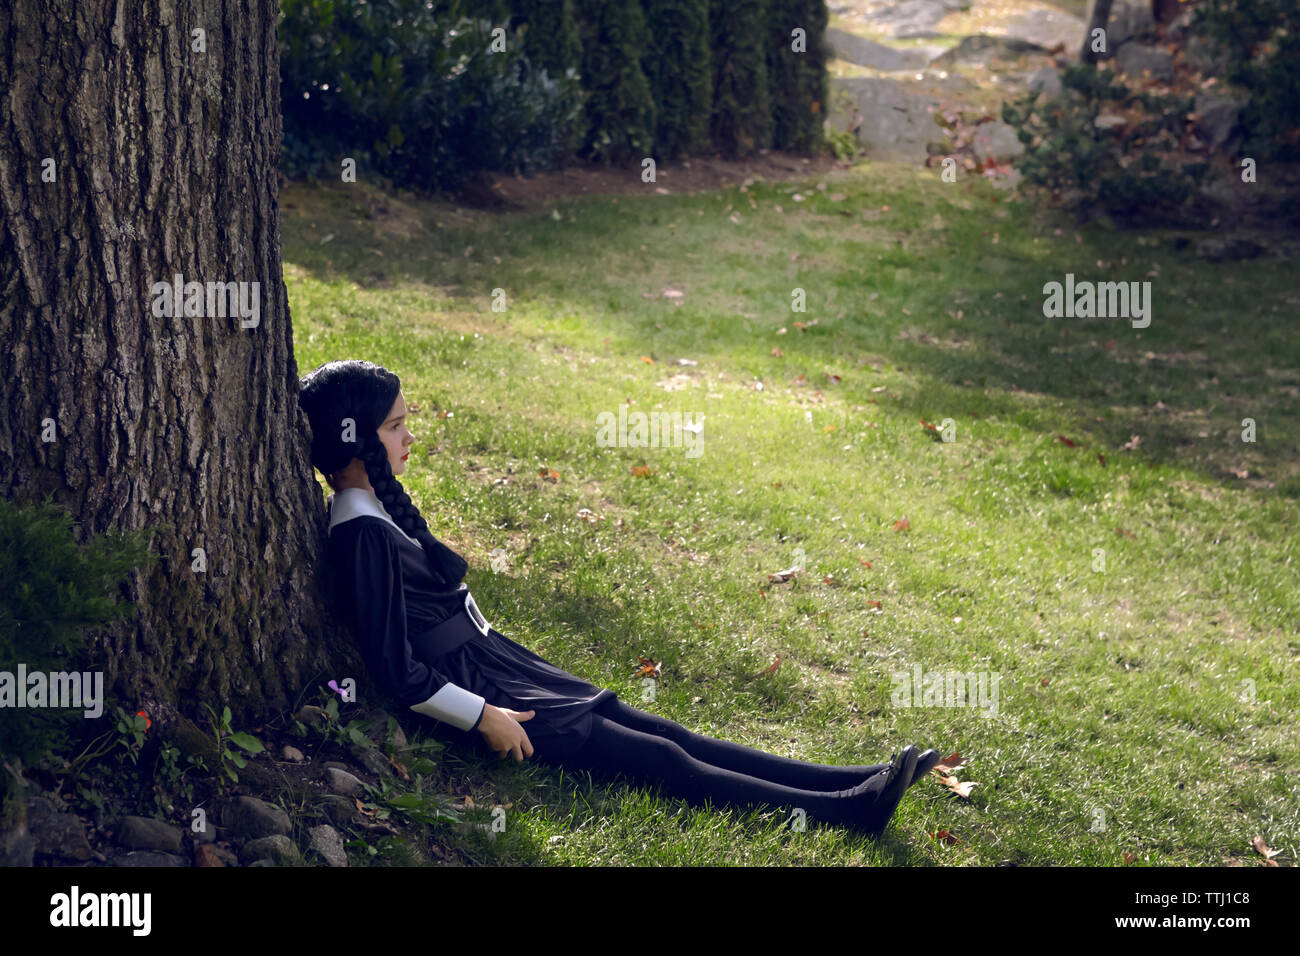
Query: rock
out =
(146, 833)
(1108, 121)
(251, 818)
(1219, 116)
(205, 854)
(262, 863)
(225, 855)
(372, 760)
(325, 840)
(997, 141)
(312, 715)
(17, 845)
(340, 810)
(342, 782)
(863, 52)
(1047, 83)
(1228, 249)
(889, 118)
(983, 49)
(1128, 19)
(1206, 55)
(279, 849)
(907, 19)
(292, 753)
(1180, 27)
(1135, 59)
(58, 835)
(208, 834)
(377, 730)
(146, 858)
(1048, 27)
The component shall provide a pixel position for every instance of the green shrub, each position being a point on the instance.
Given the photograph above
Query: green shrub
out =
(1262, 41)
(1133, 170)
(413, 91)
(52, 589)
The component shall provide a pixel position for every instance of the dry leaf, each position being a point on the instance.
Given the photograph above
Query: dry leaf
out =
(944, 836)
(548, 474)
(649, 668)
(864, 563)
(1132, 443)
(1067, 441)
(1262, 848)
(785, 575)
(902, 525)
(950, 764)
(647, 359)
(586, 514)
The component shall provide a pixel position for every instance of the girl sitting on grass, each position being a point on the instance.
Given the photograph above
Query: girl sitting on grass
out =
(424, 641)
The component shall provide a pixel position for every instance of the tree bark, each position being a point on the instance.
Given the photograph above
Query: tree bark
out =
(165, 161)
(1098, 17)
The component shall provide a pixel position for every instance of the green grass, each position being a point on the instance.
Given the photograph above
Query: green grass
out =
(1121, 692)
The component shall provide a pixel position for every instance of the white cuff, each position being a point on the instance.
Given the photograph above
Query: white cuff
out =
(452, 705)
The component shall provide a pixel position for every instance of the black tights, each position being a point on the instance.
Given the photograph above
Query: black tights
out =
(655, 751)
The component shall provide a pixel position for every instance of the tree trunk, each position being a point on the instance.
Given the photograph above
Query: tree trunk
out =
(1098, 17)
(162, 160)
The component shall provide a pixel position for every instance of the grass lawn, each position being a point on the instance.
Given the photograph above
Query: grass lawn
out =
(1139, 613)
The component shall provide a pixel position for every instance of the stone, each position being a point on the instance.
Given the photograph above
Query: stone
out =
(58, 835)
(292, 753)
(1047, 83)
(1108, 120)
(225, 855)
(863, 52)
(890, 119)
(312, 715)
(1048, 27)
(377, 729)
(339, 809)
(279, 849)
(205, 854)
(1128, 19)
(1218, 118)
(146, 833)
(342, 782)
(325, 841)
(147, 858)
(372, 760)
(907, 19)
(251, 818)
(997, 141)
(1135, 60)
(983, 49)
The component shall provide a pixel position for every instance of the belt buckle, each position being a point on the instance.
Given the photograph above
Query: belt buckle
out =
(475, 614)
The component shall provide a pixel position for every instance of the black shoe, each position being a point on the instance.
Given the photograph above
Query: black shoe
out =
(924, 764)
(898, 778)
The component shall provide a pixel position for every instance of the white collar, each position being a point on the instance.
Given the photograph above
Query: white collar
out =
(352, 503)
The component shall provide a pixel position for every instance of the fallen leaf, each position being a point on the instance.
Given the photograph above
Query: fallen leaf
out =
(949, 764)
(1132, 443)
(864, 563)
(647, 359)
(649, 668)
(548, 474)
(1067, 441)
(1262, 848)
(944, 836)
(902, 525)
(1044, 682)
(1130, 857)
(586, 514)
(1101, 458)
(774, 665)
(643, 471)
(785, 575)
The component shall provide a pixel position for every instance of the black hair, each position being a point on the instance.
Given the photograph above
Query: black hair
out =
(346, 403)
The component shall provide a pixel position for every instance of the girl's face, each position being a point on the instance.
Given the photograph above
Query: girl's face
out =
(396, 437)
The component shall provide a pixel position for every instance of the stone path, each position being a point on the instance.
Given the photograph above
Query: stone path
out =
(892, 108)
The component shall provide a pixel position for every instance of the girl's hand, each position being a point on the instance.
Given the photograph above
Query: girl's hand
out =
(500, 728)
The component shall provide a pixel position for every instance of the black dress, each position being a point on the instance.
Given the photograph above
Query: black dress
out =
(388, 593)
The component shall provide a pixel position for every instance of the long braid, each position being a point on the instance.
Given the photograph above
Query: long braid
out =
(445, 563)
